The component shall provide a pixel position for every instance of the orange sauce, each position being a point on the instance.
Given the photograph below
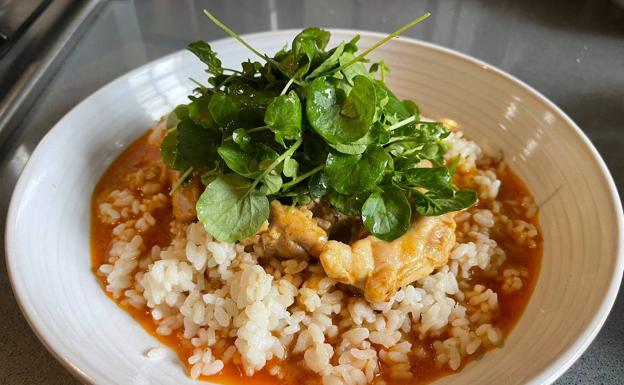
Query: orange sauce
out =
(140, 153)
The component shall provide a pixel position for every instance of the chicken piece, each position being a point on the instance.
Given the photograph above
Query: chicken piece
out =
(185, 197)
(380, 268)
(293, 233)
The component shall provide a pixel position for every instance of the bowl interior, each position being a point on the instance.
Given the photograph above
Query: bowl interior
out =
(48, 226)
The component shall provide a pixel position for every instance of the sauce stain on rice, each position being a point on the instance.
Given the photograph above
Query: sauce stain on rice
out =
(228, 314)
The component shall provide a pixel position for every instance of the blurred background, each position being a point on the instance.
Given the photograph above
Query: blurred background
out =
(54, 53)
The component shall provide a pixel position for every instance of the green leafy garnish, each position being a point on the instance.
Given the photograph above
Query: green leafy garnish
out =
(351, 174)
(311, 122)
(283, 116)
(341, 122)
(231, 209)
(387, 213)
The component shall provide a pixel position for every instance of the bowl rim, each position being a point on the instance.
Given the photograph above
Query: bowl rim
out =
(548, 374)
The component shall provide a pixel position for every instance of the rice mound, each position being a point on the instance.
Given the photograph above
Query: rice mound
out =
(234, 305)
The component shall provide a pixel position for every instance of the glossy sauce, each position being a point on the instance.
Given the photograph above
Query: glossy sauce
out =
(141, 153)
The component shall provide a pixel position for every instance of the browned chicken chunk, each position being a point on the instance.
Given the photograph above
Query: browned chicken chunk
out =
(185, 197)
(293, 233)
(380, 268)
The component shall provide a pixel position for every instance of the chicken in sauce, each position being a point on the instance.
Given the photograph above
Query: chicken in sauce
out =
(380, 268)
(293, 233)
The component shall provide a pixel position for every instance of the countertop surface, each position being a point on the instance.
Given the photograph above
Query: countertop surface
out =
(571, 51)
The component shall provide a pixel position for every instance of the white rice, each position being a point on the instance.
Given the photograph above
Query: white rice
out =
(234, 307)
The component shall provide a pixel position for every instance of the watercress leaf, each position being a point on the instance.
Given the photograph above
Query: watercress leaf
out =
(242, 138)
(230, 209)
(436, 178)
(349, 148)
(298, 195)
(197, 145)
(354, 69)
(318, 185)
(330, 63)
(350, 174)
(341, 123)
(204, 52)
(251, 68)
(170, 154)
(351, 46)
(393, 110)
(412, 108)
(308, 50)
(377, 134)
(387, 214)
(313, 35)
(314, 147)
(346, 204)
(291, 168)
(246, 163)
(238, 160)
(199, 113)
(439, 202)
(177, 114)
(301, 199)
(224, 109)
(283, 116)
(271, 183)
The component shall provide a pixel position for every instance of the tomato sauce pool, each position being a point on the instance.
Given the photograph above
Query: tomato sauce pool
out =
(141, 153)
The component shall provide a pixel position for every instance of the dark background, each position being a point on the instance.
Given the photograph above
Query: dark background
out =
(571, 51)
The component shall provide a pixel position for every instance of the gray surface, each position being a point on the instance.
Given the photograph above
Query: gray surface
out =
(572, 51)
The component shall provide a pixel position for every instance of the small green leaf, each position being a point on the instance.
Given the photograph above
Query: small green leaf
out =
(230, 209)
(430, 178)
(291, 168)
(350, 174)
(204, 52)
(331, 62)
(196, 144)
(177, 114)
(346, 204)
(199, 113)
(248, 164)
(170, 152)
(271, 183)
(434, 203)
(283, 116)
(318, 185)
(387, 214)
(354, 70)
(224, 109)
(327, 116)
(242, 138)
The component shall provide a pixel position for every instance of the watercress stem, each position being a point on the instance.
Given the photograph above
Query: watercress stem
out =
(233, 70)
(181, 180)
(301, 177)
(227, 30)
(287, 86)
(286, 154)
(203, 87)
(401, 123)
(383, 41)
(383, 71)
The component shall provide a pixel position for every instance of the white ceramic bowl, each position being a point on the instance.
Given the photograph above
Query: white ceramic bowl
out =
(48, 224)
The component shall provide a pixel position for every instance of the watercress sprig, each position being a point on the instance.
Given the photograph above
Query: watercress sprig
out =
(308, 123)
